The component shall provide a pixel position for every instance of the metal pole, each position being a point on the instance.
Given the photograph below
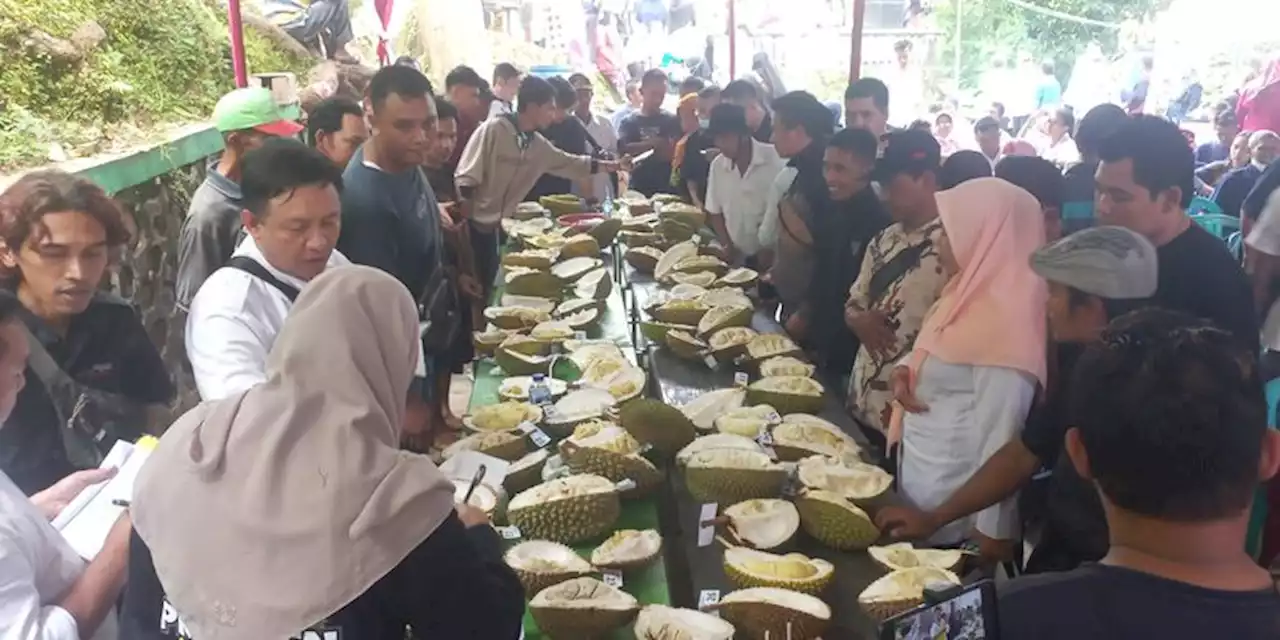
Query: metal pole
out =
(733, 40)
(237, 43)
(959, 39)
(855, 40)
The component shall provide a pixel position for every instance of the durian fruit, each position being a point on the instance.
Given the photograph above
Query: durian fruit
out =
(540, 564)
(658, 424)
(531, 302)
(687, 312)
(724, 298)
(606, 231)
(487, 341)
(576, 407)
(582, 319)
(637, 203)
(540, 259)
(525, 472)
(570, 269)
(574, 306)
(685, 345)
(700, 279)
(521, 343)
(704, 409)
(626, 385)
(582, 609)
(716, 441)
(599, 369)
(766, 523)
(771, 345)
(502, 416)
(607, 450)
(727, 344)
(747, 421)
(529, 211)
(790, 394)
(628, 549)
(726, 476)
(595, 285)
(779, 613)
(670, 257)
(561, 204)
(901, 555)
(660, 622)
(686, 214)
(534, 283)
(506, 445)
(739, 277)
(568, 510)
(515, 363)
(515, 318)
(901, 591)
(638, 238)
(581, 245)
(724, 317)
(552, 331)
(657, 331)
(748, 568)
(855, 481)
(643, 259)
(665, 199)
(700, 264)
(834, 521)
(786, 366)
(797, 439)
(675, 230)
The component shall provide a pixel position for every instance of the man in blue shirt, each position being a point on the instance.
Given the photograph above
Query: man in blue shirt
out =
(1049, 90)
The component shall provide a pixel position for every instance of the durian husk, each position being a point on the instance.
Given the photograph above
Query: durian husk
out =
(562, 613)
(810, 398)
(628, 550)
(733, 475)
(525, 472)
(568, 510)
(765, 524)
(505, 445)
(541, 563)
(658, 424)
(747, 568)
(901, 591)
(616, 464)
(758, 611)
(834, 521)
(902, 555)
(685, 345)
(660, 622)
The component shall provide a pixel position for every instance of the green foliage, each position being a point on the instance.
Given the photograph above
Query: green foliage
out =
(999, 30)
(162, 62)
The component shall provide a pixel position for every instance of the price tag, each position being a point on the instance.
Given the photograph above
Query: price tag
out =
(765, 438)
(711, 362)
(773, 417)
(539, 438)
(526, 427)
(626, 485)
(579, 335)
(612, 577)
(550, 412)
(708, 597)
(740, 379)
(509, 532)
(707, 532)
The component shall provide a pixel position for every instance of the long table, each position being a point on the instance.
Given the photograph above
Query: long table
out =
(649, 585)
(679, 381)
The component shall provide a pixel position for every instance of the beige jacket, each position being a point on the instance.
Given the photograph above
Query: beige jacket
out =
(502, 170)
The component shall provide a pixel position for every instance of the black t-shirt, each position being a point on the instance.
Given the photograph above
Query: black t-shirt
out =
(1198, 276)
(442, 182)
(105, 348)
(569, 136)
(441, 589)
(765, 132)
(695, 166)
(1103, 603)
(654, 174)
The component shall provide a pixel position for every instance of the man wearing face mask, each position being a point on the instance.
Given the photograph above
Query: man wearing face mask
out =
(1231, 194)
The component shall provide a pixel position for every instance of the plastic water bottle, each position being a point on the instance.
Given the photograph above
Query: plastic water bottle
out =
(607, 207)
(539, 392)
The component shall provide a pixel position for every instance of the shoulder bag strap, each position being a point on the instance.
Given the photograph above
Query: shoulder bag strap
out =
(50, 374)
(255, 269)
(895, 268)
(67, 400)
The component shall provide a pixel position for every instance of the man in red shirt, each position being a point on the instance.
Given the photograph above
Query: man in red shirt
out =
(471, 94)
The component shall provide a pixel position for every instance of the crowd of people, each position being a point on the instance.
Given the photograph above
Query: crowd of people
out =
(1058, 357)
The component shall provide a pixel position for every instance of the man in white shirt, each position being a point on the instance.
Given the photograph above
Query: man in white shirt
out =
(506, 83)
(602, 134)
(1062, 149)
(47, 592)
(741, 179)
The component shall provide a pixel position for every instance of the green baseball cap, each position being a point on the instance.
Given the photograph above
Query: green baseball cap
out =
(252, 108)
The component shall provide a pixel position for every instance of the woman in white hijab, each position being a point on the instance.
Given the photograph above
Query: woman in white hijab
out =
(290, 507)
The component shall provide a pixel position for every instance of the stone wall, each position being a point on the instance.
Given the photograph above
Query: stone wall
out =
(147, 270)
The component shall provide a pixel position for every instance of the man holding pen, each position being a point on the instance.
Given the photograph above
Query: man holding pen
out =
(501, 163)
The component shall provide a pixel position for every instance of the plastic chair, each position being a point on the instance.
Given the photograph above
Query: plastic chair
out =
(1218, 224)
(1201, 204)
(1258, 515)
(1235, 244)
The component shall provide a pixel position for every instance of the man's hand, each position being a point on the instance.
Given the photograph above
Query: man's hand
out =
(470, 288)
(53, 500)
(471, 516)
(797, 326)
(872, 329)
(447, 217)
(907, 523)
(900, 383)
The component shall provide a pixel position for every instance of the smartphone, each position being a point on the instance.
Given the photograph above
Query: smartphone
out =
(965, 612)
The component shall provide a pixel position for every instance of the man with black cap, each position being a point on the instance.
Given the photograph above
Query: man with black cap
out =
(1094, 276)
(739, 183)
(901, 276)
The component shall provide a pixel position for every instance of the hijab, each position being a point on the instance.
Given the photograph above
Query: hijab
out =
(268, 511)
(991, 313)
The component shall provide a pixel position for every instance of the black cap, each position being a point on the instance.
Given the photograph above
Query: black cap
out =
(728, 119)
(909, 151)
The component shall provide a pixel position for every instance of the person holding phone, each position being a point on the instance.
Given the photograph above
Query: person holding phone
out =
(1170, 429)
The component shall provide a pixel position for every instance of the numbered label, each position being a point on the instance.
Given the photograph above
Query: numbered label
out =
(740, 379)
(509, 532)
(707, 532)
(626, 485)
(711, 362)
(579, 335)
(526, 427)
(612, 577)
(773, 417)
(708, 597)
(539, 438)
(765, 438)
(550, 411)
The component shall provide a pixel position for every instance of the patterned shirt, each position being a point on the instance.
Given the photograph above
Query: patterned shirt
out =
(913, 284)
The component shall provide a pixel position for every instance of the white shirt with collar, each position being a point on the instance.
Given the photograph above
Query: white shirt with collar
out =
(499, 107)
(743, 198)
(1063, 153)
(234, 321)
(37, 567)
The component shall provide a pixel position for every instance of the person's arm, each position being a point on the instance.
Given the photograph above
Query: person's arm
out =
(769, 225)
(227, 351)
(458, 570)
(199, 255)
(715, 215)
(629, 139)
(561, 164)
(471, 171)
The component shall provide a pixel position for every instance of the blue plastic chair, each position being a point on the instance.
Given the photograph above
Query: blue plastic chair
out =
(1235, 244)
(1218, 224)
(1258, 516)
(1201, 204)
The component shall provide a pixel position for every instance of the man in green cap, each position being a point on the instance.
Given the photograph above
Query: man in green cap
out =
(244, 117)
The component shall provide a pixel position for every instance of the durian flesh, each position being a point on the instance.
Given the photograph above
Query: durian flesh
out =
(855, 481)
(660, 622)
(902, 555)
(765, 523)
(750, 568)
(582, 608)
(627, 548)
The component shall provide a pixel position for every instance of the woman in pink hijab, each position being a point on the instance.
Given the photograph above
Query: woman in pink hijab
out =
(967, 386)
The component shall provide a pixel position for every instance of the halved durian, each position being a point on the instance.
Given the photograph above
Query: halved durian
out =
(568, 510)
(716, 441)
(856, 481)
(605, 449)
(902, 555)
(588, 403)
(748, 568)
(747, 421)
(790, 394)
(765, 523)
(540, 259)
(628, 549)
(699, 264)
(771, 345)
(834, 521)
(525, 472)
(685, 345)
(901, 590)
(725, 298)
(660, 622)
(596, 285)
(701, 278)
(786, 366)
(517, 318)
(502, 416)
(724, 317)
(516, 388)
(506, 445)
(671, 256)
(687, 312)
(582, 608)
(573, 268)
(766, 613)
(727, 476)
(704, 409)
(799, 439)
(643, 259)
(739, 277)
(541, 563)
(727, 344)
(554, 331)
